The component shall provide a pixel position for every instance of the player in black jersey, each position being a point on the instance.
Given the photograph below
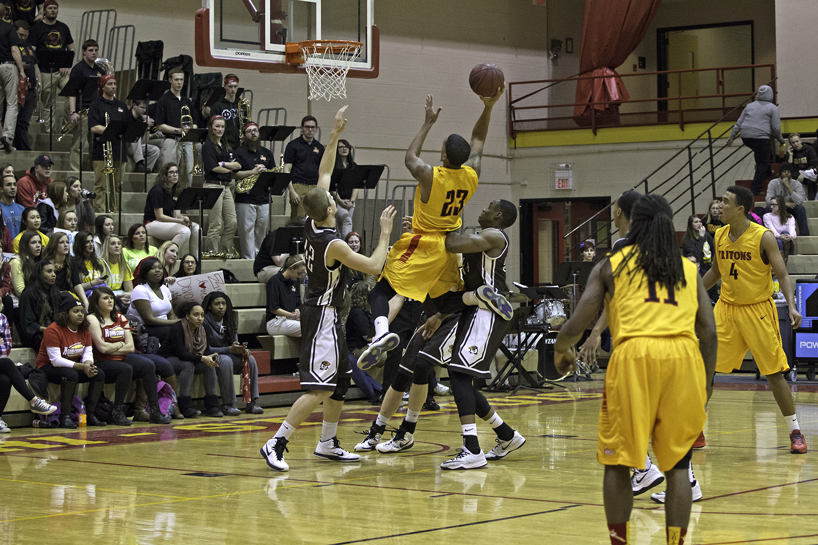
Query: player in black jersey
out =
(324, 362)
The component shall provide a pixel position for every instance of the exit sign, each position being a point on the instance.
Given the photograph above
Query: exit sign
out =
(564, 179)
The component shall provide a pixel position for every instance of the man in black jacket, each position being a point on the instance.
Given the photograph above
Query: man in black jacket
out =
(804, 162)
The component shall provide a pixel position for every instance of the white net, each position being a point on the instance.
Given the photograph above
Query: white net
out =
(327, 64)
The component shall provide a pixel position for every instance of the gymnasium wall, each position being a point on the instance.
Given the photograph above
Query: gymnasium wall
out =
(797, 77)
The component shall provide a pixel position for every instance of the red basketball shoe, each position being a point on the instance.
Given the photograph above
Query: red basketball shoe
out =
(797, 443)
(700, 442)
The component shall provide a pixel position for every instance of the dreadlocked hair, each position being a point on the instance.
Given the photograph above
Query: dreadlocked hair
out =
(654, 235)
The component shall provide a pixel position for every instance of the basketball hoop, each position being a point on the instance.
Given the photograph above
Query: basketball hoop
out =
(327, 63)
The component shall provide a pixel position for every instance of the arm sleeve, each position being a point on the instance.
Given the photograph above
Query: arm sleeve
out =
(155, 198)
(289, 153)
(29, 316)
(5, 281)
(176, 339)
(68, 38)
(737, 126)
(791, 227)
(95, 116)
(771, 191)
(160, 113)
(775, 124)
(209, 158)
(51, 341)
(25, 193)
(273, 296)
(17, 280)
(798, 194)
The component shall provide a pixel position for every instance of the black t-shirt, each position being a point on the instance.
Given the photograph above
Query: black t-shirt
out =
(249, 159)
(56, 37)
(230, 112)
(282, 294)
(8, 39)
(263, 257)
(29, 59)
(359, 328)
(334, 187)
(158, 197)
(211, 157)
(305, 158)
(81, 69)
(27, 10)
(117, 111)
(169, 111)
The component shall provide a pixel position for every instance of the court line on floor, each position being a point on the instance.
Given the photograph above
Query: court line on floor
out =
(417, 532)
(758, 489)
(96, 488)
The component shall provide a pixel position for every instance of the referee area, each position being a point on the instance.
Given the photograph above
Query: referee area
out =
(203, 482)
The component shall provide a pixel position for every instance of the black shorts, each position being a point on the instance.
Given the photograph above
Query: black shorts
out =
(437, 350)
(479, 334)
(324, 354)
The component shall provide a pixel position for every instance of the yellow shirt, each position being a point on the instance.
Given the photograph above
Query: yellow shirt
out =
(133, 257)
(116, 278)
(15, 244)
(640, 309)
(92, 273)
(451, 190)
(745, 278)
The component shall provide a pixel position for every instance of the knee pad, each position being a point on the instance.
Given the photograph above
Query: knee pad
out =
(341, 389)
(423, 371)
(684, 463)
(401, 382)
(460, 383)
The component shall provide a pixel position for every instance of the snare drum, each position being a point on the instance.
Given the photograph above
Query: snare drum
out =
(550, 311)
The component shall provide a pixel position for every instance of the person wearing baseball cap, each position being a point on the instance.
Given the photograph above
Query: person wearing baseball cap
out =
(252, 211)
(33, 186)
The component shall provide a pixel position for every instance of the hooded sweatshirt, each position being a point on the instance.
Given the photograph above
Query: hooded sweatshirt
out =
(30, 190)
(759, 119)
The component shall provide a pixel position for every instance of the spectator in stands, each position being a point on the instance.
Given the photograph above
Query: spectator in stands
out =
(782, 226)
(267, 265)
(88, 270)
(68, 223)
(104, 109)
(66, 358)
(33, 185)
(11, 70)
(168, 255)
(30, 10)
(345, 158)
(758, 122)
(12, 211)
(228, 108)
(698, 243)
(49, 207)
(121, 277)
(359, 331)
(7, 169)
(168, 119)
(32, 74)
(31, 223)
(222, 331)
(189, 266)
(804, 162)
(588, 250)
(5, 235)
(49, 34)
(284, 298)
(7, 309)
(187, 350)
(353, 240)
(136, 150)
(10, 376)
(103, 227)
(252, 211)
(86, 68)
(151, 300)
(302, 157)
(162, 222)
(113, 342)
(58, 251)
(136, 246)
(38, 304)
(8, 12)
(218, 164)
(31, 249)
(712, 219)
(79, 200)
(792, 196)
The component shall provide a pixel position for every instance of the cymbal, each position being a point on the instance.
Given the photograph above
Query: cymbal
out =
(517, 298)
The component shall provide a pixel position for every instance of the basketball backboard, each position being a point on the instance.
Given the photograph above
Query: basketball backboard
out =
(251, 34)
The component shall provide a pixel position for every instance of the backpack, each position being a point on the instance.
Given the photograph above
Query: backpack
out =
(167, 399)
(105, 409)
(149, 58)
(53, 420)
(229, 277)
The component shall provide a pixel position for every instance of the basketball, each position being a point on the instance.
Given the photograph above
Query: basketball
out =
(485, 79)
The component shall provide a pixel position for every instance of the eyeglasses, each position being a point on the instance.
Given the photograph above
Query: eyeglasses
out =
(173, 173)
(309, 127)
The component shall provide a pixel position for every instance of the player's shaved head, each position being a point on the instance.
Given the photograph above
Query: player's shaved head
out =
(457, 150)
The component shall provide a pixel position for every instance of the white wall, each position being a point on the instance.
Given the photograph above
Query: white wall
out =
(797, 77)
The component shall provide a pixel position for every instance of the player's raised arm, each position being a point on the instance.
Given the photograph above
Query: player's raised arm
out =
(770, 247)
(420, 171)
(328, 160)
(478, 242)
(370, 265)
(481, 129)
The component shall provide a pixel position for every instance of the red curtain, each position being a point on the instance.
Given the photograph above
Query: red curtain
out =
(611, 30)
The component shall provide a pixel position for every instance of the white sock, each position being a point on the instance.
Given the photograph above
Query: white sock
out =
(648, 463)
(690, 474)
(328, 430)
(412, 416)
(469, 429)
(381, 420)
(381, 326)
(495, 421)
(470, 298)
(792, 423)
(285, 431)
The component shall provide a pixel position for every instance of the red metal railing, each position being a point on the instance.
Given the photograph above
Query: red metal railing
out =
(529, 109)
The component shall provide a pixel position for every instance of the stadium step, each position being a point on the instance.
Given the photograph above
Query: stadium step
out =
(242, 268)
(247, 295)
(278, 383)
(803, 264)
(807, 245)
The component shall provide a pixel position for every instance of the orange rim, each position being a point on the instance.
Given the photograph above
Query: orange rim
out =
(296, 54)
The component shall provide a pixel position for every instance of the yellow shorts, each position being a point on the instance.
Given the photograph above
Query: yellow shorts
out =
(654, 388)
(419, 265)
(749, 327)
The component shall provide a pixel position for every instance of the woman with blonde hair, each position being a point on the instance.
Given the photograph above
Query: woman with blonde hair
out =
(168, 255)
(31, 249)
(121, 277)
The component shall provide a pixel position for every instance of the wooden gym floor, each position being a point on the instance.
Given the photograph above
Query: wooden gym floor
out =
(203, 481)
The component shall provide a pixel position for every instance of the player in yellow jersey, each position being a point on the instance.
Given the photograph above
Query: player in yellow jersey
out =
(746, 317)
(662, 364)
(418, 264)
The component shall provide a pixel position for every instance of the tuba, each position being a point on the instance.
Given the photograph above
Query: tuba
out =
(246, 184)
(68, 127)
(187, 119)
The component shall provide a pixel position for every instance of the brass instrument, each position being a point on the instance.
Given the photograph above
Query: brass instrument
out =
(245, 116)
(39, 91)
(68, 127)
(187, 120)
(245, 185)
(108, 171)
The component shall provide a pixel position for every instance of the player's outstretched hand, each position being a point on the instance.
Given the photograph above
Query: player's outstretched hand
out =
(430, 326)
(587, 352)
(431, 113)
(340, 120)
(387, 217)
(795, 318)
(492, 100)
(565, 362)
